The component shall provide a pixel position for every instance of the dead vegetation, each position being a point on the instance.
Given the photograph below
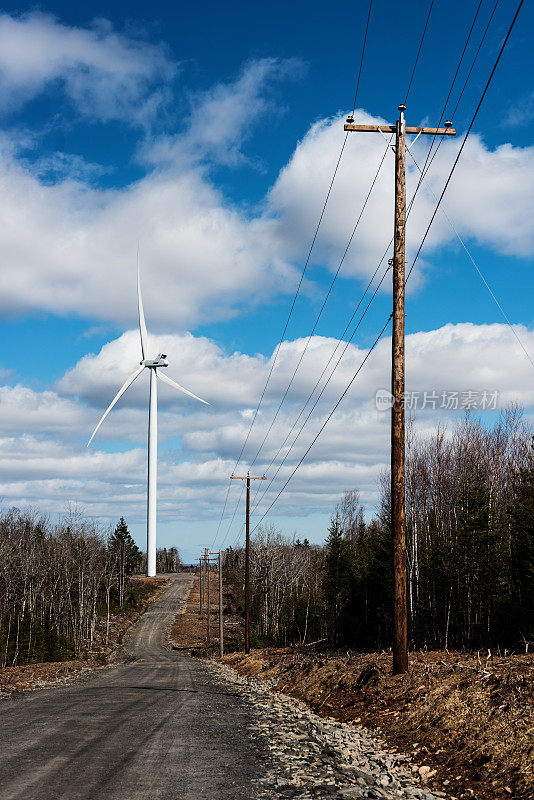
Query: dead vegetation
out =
(189, 631)
(38, 675)
(469, 719)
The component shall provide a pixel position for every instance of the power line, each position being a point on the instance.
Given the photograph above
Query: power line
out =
(418, 51)
(275, 357)
(314, 406)
(310, 336)
(512, 24)
(327, 420)
(428, 160)
(277, 351)
(411, 203)
(361, 59)
(310, 250)
(486, 284)
(475, 58)
(460, 151)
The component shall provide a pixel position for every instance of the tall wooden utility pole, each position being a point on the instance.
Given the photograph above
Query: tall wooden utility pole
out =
(209, 601)
(200, 581)
(247, 478)
(221, 642)
(398, 509)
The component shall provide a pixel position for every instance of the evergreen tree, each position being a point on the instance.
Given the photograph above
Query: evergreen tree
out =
(338, 580)
(126, 554)
(522, 549)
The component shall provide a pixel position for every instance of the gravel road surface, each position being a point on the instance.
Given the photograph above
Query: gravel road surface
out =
(162, 726)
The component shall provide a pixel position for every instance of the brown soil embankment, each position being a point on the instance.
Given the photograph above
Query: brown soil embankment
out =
(467, 719)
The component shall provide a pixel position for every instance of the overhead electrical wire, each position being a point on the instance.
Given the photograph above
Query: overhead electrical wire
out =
(277, 350)
(327, 420)
(368, 195)
(428, 159)
(418, 52)
(460, 60)
(317, 399)
(380, 334)
(423, 172)
(310, 336)
(479, 271)
(292, 307)
(361, 59)
(464, 141)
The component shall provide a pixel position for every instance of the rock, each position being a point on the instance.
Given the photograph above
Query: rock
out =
(308, 756)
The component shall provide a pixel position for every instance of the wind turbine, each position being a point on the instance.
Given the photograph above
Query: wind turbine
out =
(154, 365)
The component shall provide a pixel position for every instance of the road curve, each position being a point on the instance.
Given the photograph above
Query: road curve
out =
(159, 727)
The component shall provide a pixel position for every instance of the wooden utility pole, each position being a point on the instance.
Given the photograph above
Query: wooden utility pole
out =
(209, 601)
(221, 624)
(200, 581)
(398, 505)
(247, 478)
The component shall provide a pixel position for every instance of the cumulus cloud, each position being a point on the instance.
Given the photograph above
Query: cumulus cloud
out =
(108, 76)
(70, 247)
(43, 458)
(490, 198)
(222, 118)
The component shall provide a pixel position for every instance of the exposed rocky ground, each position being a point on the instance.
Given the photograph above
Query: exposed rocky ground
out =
(314, 757)
(465, 719)
(469, 718)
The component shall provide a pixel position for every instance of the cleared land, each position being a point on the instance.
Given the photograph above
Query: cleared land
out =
(467, 719)
(159, 726)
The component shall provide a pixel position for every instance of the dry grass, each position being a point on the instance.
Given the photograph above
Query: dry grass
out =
(189, 631)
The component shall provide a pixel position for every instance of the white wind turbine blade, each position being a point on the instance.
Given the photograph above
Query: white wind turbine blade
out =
(119, 394)
(142, 324)
(166, 379)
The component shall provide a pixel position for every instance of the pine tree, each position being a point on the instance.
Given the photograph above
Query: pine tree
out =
(522, 549)
(338, 580)
(126, 553)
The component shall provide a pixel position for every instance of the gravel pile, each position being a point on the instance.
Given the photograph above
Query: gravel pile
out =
(313, 757)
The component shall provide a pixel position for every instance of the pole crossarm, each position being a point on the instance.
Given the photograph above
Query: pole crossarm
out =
(247, 477)
(392, 129)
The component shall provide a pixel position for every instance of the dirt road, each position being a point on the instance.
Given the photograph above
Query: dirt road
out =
(159, 727)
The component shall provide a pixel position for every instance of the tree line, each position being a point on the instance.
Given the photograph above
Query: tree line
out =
(58, 582)
(470, 552)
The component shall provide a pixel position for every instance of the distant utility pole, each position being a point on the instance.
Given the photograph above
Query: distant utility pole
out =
(209, 601)
(221, 642)
(218, 556)
(200, 582)
(247, 478)
(398, 509)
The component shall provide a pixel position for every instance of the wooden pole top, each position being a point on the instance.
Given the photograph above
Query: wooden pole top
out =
(250, 478)
(392, 128)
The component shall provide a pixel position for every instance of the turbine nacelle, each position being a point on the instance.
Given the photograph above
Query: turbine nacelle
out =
(151, 363)
(159, 361)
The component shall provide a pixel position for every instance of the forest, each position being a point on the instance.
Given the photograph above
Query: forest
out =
(58, 582)
(470, 552)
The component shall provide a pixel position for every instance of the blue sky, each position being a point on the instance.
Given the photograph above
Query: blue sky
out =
(209, 134)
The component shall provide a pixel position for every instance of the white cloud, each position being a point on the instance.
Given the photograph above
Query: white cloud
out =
(70, 247)
(490, 197)
(222, 118)
(44, 461)
(107, 75)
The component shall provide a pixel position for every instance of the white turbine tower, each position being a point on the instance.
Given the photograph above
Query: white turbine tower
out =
(153, 365)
